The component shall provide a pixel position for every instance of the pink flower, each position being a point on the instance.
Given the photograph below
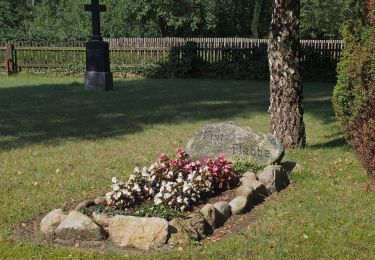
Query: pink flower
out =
(187, 167)
(163, 157)
(207, 161)
(215, 169)
(198, 164)
(180, 150)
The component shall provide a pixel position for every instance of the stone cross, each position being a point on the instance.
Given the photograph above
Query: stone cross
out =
(95, 8)
(98, 75)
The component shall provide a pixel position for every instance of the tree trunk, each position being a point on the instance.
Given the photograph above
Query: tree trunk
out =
(286, 110)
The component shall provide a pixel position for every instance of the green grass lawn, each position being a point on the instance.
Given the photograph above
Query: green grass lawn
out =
(60, 145)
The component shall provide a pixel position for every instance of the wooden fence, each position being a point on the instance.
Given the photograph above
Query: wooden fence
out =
(127, 52)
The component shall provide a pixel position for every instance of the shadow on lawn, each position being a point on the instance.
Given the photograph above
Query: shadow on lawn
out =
(49, 113)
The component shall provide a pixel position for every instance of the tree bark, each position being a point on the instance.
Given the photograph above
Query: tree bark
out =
(286, 110)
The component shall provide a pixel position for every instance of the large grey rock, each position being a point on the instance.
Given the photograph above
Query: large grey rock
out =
(183, 231)
(236, 143)
(274, 178)
(238, 205)
(51, 221)
(78, 226)
(197, 221)
(141, 233)
(224, 212)
(179, 234)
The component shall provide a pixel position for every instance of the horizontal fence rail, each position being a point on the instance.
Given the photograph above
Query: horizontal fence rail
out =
(127, 52)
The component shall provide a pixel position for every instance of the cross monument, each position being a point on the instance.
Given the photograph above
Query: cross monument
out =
(98, 75)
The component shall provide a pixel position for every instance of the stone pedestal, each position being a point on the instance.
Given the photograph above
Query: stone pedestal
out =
(98, 75)
(102, 81)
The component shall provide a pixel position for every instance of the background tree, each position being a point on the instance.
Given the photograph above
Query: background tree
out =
(286, 111)
(20, 20)
(13, 14)
(322, 19)
(57, 20)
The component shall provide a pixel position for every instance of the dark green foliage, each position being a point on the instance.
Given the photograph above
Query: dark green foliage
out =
(184, 61)
(66, 20)
(241, 167)
(322, 19)
(244, 63)
(354, 93)
(255, 25)
(148, 210)
(317, 66)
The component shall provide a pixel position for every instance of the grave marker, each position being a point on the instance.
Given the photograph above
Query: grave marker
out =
(98, 75)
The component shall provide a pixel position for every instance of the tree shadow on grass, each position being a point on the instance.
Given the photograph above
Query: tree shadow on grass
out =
(48, 113)
(333, 143)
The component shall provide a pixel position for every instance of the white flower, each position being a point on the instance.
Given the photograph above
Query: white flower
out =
(115, 187)
(136, 169)
(132, 177)
(167, 195)
(179, 199)
(168, 186)
(179, 179)
(117, 195)
(145, 174)
(114, 180)
(157, 201)
(136, 187)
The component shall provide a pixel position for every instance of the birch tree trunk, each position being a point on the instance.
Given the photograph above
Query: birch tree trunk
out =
(286, 110)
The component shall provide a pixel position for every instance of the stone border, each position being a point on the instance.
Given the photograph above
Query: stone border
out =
(149, 233)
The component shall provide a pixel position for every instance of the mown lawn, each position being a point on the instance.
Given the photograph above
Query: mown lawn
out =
(60, 144)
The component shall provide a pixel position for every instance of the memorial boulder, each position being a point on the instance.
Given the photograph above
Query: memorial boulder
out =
(236, 142)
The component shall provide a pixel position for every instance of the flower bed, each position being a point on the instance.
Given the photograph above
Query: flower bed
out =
(177, 183)
(171, 202)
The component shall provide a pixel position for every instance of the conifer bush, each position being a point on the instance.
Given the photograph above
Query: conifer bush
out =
(354, 94)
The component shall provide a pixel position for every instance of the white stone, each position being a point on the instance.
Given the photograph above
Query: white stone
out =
(245, 190)
(78, 226)
(238, 205)
(51, 221)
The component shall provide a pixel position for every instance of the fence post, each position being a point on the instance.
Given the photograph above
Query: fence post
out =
(9, 63)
